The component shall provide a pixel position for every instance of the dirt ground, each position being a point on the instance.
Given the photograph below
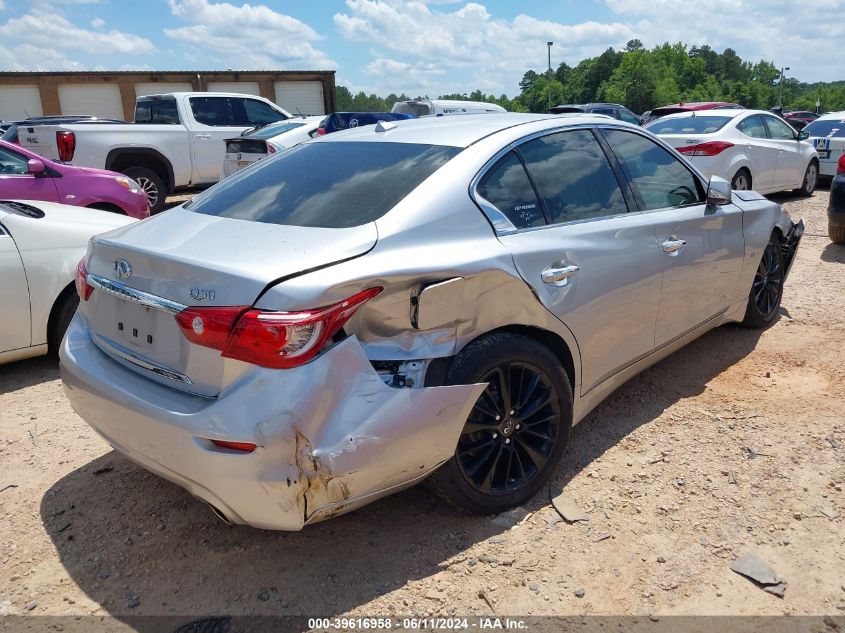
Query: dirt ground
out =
(734, 444)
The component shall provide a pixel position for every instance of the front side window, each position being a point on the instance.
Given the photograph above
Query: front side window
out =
(330, 185)
(780, 130)
(753, 127)
(216, 111)
(260, 113)
(573, 176)
(660, 179)
(12, 163)
(506, 186)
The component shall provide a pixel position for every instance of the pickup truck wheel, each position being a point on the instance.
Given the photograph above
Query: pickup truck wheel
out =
(151, 183)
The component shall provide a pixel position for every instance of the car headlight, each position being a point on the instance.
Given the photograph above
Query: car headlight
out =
(128, 183)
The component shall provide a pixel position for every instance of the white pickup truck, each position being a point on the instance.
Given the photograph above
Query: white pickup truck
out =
(175, 141)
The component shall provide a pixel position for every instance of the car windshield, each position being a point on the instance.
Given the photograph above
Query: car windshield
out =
(274, 129)
(689, 125)
(331, 185)
(830, 127)
(411, 107)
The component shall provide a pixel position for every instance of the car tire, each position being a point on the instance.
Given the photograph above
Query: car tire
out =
(836, 233)
(63, 312)
(767, 288)
(151, 183)
(492, 456)
(811, 179)
(741, 180)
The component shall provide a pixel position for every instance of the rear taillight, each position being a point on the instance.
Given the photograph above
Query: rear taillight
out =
(711, 148)
(840, 164)
(81, 278)
(271, 149)
(278, 340)
(66, 143)
(321, 131)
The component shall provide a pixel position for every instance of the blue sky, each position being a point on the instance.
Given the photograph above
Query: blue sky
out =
(416, 46)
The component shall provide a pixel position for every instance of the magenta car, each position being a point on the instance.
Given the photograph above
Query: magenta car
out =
(25, 175)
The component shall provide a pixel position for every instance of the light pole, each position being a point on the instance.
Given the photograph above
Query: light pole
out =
(549, 74)
(780, 86)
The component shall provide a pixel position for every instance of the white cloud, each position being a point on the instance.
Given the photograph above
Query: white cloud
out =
(246, 36)
(97, 22)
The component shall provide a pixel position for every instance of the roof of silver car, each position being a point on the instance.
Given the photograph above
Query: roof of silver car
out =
(455, 130)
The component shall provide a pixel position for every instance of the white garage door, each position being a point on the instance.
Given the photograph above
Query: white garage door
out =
(300, 96)
(161, 87)
(19, 102)
(102, 101)
(244, 87)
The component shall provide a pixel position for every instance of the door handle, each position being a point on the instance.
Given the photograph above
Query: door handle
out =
(203, 135)
(558, 276)
(673, 246)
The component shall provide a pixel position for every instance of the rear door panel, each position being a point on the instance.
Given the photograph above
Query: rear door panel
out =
(15, 331)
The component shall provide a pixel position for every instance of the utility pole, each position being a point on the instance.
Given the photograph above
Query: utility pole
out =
(780, 86)
(549, 74)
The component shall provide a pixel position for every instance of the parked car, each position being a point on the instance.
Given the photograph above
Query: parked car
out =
(615, 110)
(12, 131)
(338, 121)
(693, 106)
(439, 107)
(827, 135)
(176, 140)
(799, 118)
(753, 149)
(257, 143)
(411, 303)
(40, 246)
(836, 206)
(27, 176)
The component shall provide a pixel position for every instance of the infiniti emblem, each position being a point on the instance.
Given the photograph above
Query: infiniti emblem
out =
(122, 268)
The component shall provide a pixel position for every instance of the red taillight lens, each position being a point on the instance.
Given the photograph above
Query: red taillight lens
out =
(840, 164)
(246, 447)
(278, 340)
(81, 278)
(66, 143)
(711, 148)
(271, 149)
(321, 131)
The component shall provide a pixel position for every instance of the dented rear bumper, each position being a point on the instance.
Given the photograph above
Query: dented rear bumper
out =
(331, 435)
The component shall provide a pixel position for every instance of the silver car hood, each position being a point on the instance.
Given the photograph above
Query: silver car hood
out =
(180, 255)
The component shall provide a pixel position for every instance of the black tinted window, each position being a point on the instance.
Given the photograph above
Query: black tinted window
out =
(333, 185)
(573, 176)
(156, 111)
(506, 187)
(218, 111)
(689, 125)
(260, 113)
(12, 162)
(660, 179)
(753, 127)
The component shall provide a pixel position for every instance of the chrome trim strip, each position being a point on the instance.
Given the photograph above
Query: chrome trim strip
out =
(131, 357)
(122, 291)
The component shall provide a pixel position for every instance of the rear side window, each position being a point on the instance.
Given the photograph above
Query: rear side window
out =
(331, 185)
(573, 176)
(706, 124)
(753, 127)
(506, 186)
(216, 111)
(659, 179)
(157, 111)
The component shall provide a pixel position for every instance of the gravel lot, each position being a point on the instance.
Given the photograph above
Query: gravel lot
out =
(734, 444)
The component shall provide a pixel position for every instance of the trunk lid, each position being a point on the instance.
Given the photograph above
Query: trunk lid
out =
(193, 259)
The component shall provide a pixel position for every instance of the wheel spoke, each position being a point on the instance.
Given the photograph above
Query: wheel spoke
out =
(478, 463)
(504, 377)
(476, 447)
(487, 484)
(542, 436)
(528, 392)
(475, 427)
(536, 405)
(533, 454)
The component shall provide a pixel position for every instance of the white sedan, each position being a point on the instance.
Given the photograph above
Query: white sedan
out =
(41, 244)
(752, 149)
(827, 134)
(257, 143)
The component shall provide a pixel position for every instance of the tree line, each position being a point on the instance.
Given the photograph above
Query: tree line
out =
(643, 79)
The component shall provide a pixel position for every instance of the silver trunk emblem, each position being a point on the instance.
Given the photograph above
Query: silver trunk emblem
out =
(202, 293)
(122, 268)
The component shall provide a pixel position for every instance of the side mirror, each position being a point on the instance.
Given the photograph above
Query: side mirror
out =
(718, 191)
(803, 135)
(35, 166)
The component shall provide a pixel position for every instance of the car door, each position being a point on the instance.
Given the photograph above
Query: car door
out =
(701, 247)
(217, 118)
(590, 262)
(761, 152)
(15, 332)
(17, 183)
(791, 162)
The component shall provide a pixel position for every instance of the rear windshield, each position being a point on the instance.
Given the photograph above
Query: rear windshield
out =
(698, 124)
(411, 107)
(830, 127)
(156, 111)
(274, 129)
(331, 185)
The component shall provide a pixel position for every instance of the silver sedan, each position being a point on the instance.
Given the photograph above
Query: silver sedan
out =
(436, 299)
